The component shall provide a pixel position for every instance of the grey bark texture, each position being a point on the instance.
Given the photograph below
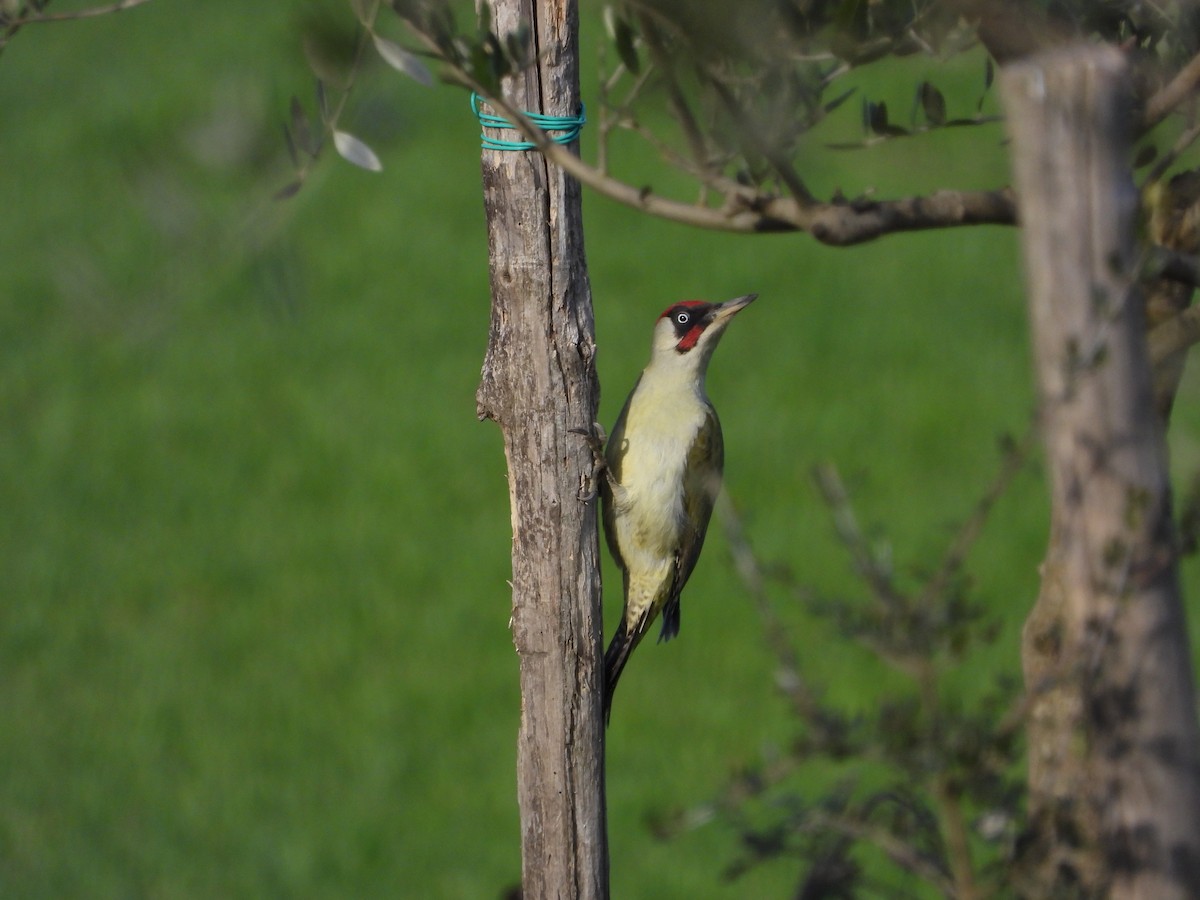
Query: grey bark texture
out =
(538, 382)
(1114, 755)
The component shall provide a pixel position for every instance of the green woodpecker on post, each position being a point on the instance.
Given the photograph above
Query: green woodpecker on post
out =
(664, 460)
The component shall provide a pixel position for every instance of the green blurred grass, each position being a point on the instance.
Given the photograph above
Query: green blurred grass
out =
(253, 550)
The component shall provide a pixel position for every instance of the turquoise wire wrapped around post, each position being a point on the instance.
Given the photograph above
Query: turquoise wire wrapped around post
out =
(560, 129)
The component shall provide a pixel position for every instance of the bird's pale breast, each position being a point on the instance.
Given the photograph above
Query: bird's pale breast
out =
(650, 519)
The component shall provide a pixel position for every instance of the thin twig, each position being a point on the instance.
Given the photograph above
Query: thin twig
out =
(897, 850)
(683, 113)
(790, 681)
(1164, 162)
(727, 187)
(781, 164)
(874, 573)
(1014, 460)
(90, 13)
(614, 116)
(1177, 90)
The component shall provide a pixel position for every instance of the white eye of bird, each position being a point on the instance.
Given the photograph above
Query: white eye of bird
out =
(682, 318)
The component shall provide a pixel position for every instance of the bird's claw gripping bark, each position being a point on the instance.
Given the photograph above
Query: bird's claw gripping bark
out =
(589, 482)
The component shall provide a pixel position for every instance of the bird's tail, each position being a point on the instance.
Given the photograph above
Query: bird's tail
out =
(615, 658)
(619, 651)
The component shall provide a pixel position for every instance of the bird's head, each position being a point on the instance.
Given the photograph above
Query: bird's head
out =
(688, 332)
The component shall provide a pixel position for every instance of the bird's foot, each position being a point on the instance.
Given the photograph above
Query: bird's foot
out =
(589, 482)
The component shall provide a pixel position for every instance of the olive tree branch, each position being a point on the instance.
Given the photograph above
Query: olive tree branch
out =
(838, 222)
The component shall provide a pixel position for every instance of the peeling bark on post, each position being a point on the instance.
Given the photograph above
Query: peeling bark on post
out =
(538, 382)
(1114, 769)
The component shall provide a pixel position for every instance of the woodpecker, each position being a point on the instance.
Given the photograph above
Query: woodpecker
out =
(664, 462)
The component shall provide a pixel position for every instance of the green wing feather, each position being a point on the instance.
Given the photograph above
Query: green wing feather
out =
(614, 456)
(702, 482)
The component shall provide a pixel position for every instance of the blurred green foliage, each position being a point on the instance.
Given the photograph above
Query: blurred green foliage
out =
(253, 543)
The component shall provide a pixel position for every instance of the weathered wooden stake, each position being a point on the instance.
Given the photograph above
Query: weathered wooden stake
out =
(1114, 772)
(538, 382)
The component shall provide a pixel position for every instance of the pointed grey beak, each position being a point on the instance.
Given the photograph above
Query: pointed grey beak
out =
(730, 307)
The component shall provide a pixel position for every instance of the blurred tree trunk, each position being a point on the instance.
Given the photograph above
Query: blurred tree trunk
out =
(1114, 759)
(538, 382)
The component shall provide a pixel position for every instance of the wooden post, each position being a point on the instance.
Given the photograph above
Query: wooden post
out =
(1114, 755)
(538, 382)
